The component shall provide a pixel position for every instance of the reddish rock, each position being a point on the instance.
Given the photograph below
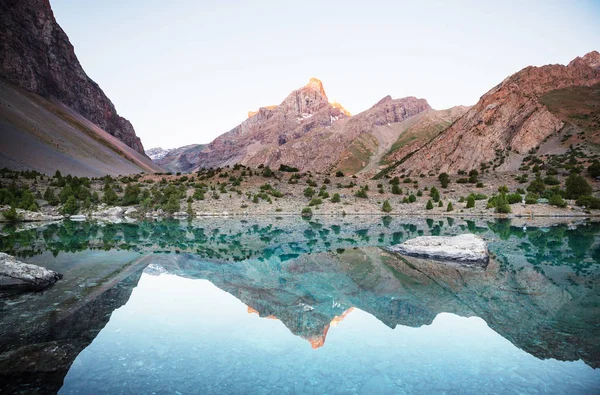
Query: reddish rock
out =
(508, 117)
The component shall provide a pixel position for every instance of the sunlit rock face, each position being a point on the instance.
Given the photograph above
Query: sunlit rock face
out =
(510, 117)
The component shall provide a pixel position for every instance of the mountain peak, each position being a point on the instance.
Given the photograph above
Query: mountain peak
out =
(317, 85)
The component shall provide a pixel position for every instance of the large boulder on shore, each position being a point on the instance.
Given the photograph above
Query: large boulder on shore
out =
(467, 248)
(17, 276)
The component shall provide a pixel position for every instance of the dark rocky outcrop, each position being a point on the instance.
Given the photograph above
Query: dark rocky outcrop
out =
(36, 55)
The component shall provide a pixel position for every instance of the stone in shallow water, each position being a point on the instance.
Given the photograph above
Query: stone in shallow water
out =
(18, 276)
(467, 248)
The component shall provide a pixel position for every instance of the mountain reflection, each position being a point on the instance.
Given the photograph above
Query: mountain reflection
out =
(540, 291)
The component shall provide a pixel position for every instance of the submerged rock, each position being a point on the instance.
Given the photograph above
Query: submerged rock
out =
(466, 248)
(18, 276)
(78, 217)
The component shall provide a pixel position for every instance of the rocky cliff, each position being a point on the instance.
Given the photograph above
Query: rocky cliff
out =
(510, 118)
(304, 131)
(36, 55)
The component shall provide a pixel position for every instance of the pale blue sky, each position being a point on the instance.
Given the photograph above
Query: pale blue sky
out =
(185, 71)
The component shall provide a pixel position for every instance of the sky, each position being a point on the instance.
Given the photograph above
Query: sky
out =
(186, 71)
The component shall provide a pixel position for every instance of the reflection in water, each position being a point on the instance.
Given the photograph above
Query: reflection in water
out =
(540, 292)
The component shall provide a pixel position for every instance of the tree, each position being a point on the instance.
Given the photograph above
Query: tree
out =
(503, 189)
(429, 205)
(309, 192)
(131, 195)
(386, 207)
(502, 205)
(11, 215)
(339, 173)
(577, 186)
(172, 205)
(444, 179)
(557, 200)
(412, 198)
(536, 186)
(473, 174)
(435, 194)
(470, 201)
(70, 206)
(396, 190)
(450, 207)
(110, 197)
(335, 198)
(594, 169)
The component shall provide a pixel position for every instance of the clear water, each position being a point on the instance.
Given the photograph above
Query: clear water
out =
(291, 306)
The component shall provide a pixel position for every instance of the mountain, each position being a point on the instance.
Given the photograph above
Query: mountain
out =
(157, 153)
(508, 122)
(304, 131)
(175, 160)
(53, 114)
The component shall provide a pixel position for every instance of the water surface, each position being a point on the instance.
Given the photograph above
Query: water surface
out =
(286, 305)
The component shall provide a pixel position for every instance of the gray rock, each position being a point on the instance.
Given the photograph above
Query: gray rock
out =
(180, 214)
(78, 217)
(131, 211)
(30, 216)
(115, 212)
(467, 248)
(18, 276)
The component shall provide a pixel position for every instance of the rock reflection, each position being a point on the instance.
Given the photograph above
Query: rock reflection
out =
(540, 291)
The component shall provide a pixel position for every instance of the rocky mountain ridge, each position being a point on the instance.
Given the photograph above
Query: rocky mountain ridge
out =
(306, 131)
(509, 119)
(36, 55)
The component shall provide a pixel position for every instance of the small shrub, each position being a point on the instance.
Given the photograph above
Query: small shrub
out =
(335, 198)
(315, 202)
(429, 205)
(470, 201)
(386, 207)
(306, 212)
(450, 207)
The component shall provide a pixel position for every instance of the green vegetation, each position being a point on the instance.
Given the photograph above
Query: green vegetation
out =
(306, 212)
(335, 198)
(11, 215)
(315, 202)
(429, 205)
(386, 207)
(444, 179)
(362, 193)
(288, 169)
(470, 201)
(450, 207)
(577, 186)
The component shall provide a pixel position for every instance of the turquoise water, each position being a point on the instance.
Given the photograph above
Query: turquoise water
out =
(291, 306)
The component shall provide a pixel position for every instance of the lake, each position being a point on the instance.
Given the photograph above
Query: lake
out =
(287, 305)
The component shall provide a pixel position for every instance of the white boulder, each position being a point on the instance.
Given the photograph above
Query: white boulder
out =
(18, 276)
(466, 248)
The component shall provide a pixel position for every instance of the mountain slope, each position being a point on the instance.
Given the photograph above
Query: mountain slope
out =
(304, 131)
(46, 136)
(179, 159)
(36, 55)
(508, 120)
(349, 144)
